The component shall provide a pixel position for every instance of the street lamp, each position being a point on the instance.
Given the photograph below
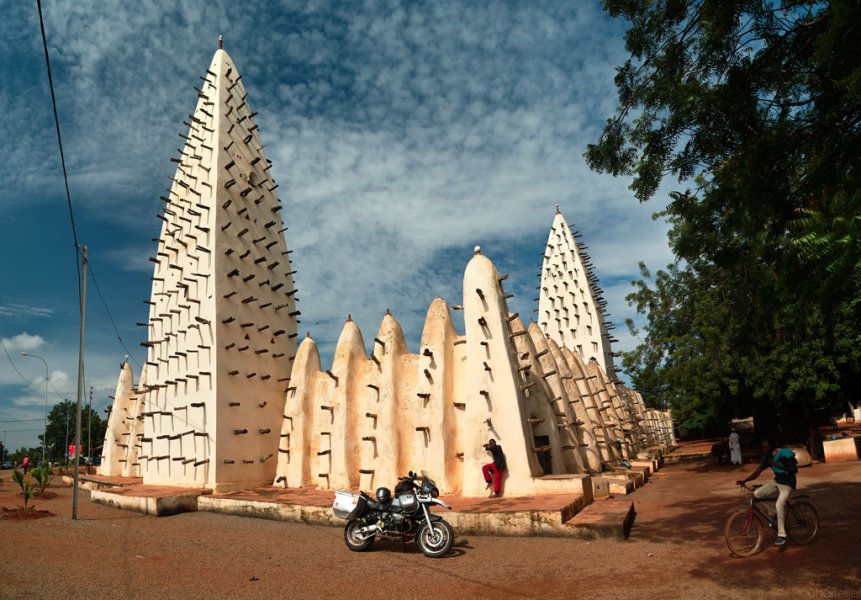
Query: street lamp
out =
(66, 410)
(45, 438)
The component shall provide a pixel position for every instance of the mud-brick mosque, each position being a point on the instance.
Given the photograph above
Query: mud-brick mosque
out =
(230, 399)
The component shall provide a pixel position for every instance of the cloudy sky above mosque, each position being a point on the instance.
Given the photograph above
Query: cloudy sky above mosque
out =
(401, 136)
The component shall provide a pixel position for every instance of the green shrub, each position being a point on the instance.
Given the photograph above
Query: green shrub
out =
(43, 476)
(26, 488)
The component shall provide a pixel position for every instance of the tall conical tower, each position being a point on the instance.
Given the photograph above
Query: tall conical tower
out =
(222, 323)
(570, 305)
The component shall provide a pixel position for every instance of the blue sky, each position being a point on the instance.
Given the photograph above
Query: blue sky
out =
(402, 134)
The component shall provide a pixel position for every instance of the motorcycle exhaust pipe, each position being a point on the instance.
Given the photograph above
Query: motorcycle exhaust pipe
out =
(366, 532)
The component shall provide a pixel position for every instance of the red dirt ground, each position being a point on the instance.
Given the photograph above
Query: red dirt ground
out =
(676, 550)
(19, 514)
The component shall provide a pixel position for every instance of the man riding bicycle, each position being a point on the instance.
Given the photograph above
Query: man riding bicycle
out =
(782, 461)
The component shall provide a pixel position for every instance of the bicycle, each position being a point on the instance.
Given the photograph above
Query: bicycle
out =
(745, 529)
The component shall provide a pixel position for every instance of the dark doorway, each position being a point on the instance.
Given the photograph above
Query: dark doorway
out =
(544, 458)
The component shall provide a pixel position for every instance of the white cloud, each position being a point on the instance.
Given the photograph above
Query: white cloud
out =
(15, 309)
(23, 342)
(402, 135)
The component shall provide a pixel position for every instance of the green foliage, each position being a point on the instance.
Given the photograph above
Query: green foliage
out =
(23, 451)
(758, 104)
(61, 428)
(42, 476)
(26, 488)
(829, 240)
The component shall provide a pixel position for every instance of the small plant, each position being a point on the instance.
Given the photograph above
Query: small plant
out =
(26, 488)
(43, 476)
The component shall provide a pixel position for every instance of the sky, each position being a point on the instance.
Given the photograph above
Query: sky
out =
(402, 135)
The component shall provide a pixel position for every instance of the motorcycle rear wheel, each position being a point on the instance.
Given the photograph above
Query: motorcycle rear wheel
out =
(352, 539)
(435, 538)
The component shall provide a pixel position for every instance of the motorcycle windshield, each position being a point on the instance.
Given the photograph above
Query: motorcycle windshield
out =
(428, 486)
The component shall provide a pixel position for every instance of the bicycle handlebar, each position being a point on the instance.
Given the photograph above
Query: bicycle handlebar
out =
(750, 488)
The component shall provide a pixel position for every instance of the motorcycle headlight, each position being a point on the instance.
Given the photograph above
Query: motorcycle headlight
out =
(435, 493)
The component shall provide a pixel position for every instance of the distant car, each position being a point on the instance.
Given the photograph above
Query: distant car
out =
(7, 465)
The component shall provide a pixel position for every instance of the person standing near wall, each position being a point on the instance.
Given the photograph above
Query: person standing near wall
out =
(493, 471)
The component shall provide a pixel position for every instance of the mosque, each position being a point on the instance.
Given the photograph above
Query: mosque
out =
(230, 399)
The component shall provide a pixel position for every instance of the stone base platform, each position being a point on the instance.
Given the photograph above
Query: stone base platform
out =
(552, 515)
(541, 515)
(158, 501)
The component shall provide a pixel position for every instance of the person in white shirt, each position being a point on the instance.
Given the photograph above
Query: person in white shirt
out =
(734, 448)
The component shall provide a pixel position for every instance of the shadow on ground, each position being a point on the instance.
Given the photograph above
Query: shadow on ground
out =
(694, 500)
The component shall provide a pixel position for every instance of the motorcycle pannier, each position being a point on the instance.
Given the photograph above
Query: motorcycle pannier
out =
(347, 505)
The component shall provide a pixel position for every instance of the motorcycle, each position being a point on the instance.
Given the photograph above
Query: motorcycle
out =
(405, 517)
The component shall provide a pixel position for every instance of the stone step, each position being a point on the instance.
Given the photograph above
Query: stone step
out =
(605, 518)
(98, 482)
(673, 458)
(158, 501)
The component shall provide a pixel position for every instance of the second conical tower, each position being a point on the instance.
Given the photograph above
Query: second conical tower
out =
(570, 306)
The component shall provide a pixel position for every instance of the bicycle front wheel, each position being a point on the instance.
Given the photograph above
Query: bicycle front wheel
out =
(802, 523)
(744, 533)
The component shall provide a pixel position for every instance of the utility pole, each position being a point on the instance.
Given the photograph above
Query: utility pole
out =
(44, 435)
(80, 382)
(66, 410)
(89, 430)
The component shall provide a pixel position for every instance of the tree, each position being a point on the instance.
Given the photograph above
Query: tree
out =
(20, 453)
(757, 105)
(61, 429)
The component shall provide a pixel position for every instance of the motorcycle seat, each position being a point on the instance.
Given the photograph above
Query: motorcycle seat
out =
(392, 506)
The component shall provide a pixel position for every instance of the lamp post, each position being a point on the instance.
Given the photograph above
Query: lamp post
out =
(66, 410)
(45, 438)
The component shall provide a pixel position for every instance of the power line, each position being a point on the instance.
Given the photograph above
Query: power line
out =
(21, 420)
(69, 194)
(56, 391)
(27, 381)
(11, 362)
(110, 318)
(23, 430)
(60, 143)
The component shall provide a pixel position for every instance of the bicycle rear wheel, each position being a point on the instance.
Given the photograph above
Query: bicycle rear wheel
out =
(744, 533)
(802, 523)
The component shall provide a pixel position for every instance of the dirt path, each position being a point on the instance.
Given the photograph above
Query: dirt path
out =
(676, 550)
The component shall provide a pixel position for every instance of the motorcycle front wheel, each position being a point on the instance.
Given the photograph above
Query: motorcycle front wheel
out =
(435, 538)
(352, 538)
